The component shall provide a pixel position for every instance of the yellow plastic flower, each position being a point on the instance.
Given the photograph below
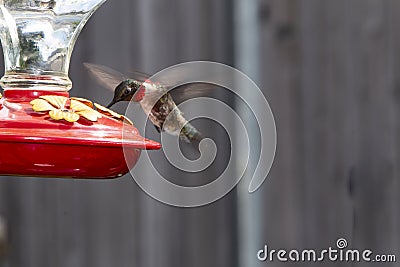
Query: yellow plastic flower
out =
(108, 112)
(63, 108)
(71, 109)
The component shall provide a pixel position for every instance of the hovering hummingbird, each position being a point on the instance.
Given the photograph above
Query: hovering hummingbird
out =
(154, 99)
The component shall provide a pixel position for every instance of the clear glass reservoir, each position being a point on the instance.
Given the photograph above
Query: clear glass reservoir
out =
(38, 38)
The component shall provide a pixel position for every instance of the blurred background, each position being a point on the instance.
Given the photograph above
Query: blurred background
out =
(331, 73)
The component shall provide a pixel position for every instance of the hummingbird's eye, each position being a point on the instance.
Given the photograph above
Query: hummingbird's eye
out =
(127, 91)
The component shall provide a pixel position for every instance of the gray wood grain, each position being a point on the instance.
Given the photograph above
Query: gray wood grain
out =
(330, 70)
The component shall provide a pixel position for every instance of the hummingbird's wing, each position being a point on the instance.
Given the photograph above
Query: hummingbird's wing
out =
(168, 84)
(193, 90)
(105, 76)
(138, 76)
(110, 79)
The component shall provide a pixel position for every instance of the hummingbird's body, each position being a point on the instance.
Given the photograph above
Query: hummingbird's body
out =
(159, 106)
(154, 99)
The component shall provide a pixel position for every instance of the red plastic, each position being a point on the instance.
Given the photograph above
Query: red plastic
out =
(32, 144)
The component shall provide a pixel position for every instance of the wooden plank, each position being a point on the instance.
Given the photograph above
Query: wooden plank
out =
(394, 93)
(374, 182)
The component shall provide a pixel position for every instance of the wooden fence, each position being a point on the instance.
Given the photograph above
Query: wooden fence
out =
(331, 72)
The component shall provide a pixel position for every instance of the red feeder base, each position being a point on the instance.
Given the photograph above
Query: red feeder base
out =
(32, 144)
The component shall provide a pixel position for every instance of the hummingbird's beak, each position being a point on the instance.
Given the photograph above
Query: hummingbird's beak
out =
(111, 104)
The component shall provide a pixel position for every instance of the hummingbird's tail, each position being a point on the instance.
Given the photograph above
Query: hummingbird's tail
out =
(191, 135)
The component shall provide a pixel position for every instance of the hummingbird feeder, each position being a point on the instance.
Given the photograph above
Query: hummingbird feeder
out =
(44, 132)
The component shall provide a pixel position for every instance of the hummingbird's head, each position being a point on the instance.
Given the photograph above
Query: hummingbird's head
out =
(126, 91)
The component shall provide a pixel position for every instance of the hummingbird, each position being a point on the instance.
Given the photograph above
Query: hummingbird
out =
(154, 99)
